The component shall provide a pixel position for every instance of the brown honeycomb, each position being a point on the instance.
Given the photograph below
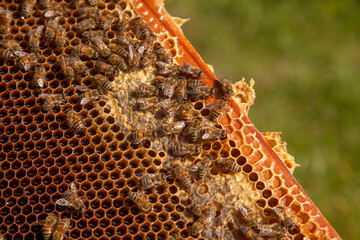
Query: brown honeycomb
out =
(41, 155)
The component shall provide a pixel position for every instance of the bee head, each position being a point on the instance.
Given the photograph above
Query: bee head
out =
(223, 134)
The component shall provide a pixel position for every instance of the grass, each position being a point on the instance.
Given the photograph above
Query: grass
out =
(304, 58)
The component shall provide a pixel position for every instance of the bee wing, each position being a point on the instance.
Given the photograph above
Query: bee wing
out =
(131, 51)
(82, 88)
(85, 101)
(178, 125)
(169, 90)
(195, 167)
(211, 105)
(73, 188)
(63, 62)
(162, 64)
(46, 95)
(20, 54)
(187, 129)
(141, 50)
(207, 136)
(138, 141)
(141, 193)
(186, 95)
(63, 202)
(39, 29)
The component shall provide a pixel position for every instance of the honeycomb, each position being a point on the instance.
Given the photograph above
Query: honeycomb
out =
(126, 143)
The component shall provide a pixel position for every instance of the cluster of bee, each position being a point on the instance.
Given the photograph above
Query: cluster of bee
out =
(168, 97)
(256, 231)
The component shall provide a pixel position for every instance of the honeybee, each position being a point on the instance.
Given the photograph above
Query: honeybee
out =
(51, 28)
(67, 69)
(182, 149)
(97, 41)
(197, 210)
(166, 68)
(140, 199)
(86, 24)
(5, 20)
(169, 87)
(212, 133)
(93, 2)
(145, 61)
(161, 54)
(25, 63)
(246, 212)
(140, 135)
(62, 227)
(88, 12)
(166, 108)
(165, 85)
(54, 10)
(134, 58)
(180, 90)
(284, 217)
(195, 83)
(88, 94)
(177, 172)
(12, 46)
(186, 114)
(27, 8)
(141, 30)
(170, 128)
(51, 100)
(227, 164)
(125, 39)
(71, 199)
(124, 18)
(202, 167)
(249, 233)
(60, 38)
(226, 86)
(150, 180)
(105, 68)
(103, 82)
(191, 71)
(196, 229)
(49, 226)
(145, 90)
(202, 92)
(74, 120)
(78, 65)
(192, 128)
(269, 230)
(86, 51)
(39, 75)
(6, 54)
(119, 51)
(146, 103)
(117, 61)
(217, 108)
(105, 21)
(34, 39)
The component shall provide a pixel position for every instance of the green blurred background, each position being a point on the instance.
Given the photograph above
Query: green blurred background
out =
(304, 57)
